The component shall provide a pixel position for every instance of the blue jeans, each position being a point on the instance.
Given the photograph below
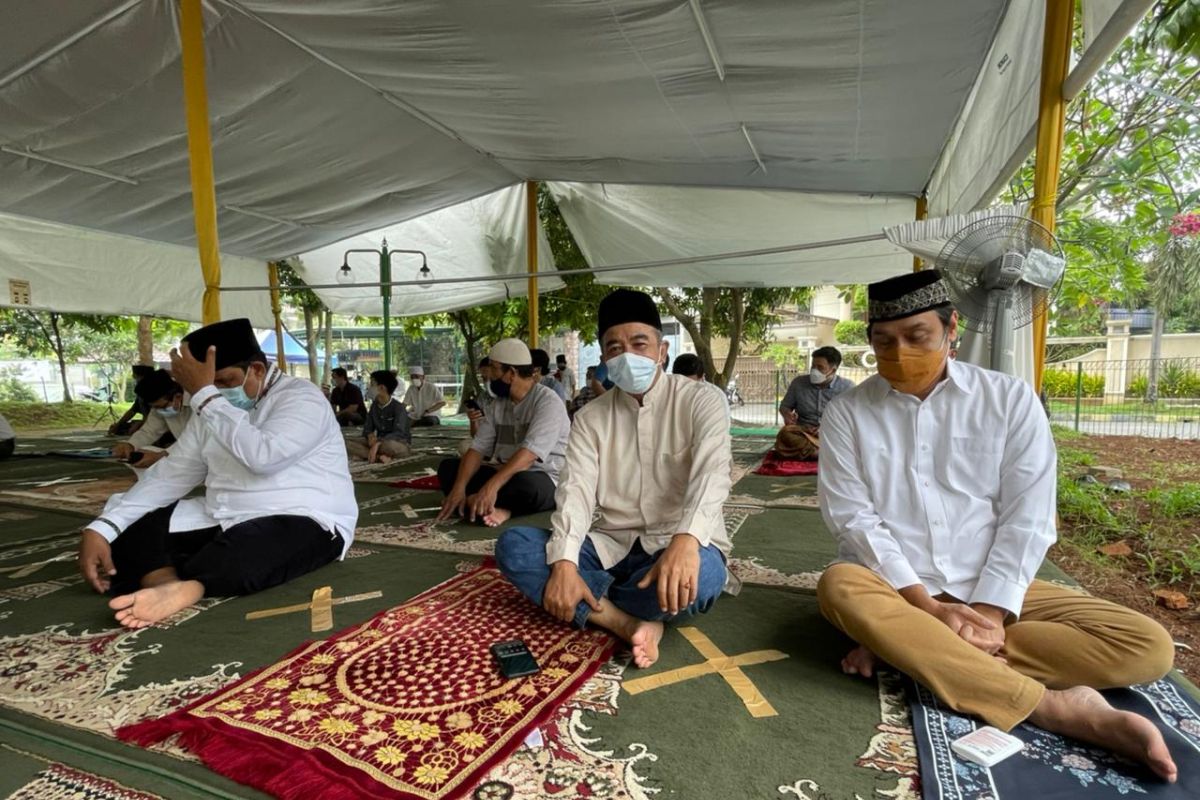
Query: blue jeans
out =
(521, 556)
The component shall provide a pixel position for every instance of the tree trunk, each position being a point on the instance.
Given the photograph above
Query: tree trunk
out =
(310, 344)
(62, 361)
(701, 340)
(738, 298)
(470, 387)
(145, 339)
(327, 370)
(1155, 357)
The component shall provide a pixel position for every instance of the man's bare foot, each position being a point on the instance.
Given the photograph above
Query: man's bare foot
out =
(154, 604)
(498, 517)
(1082, 713)
(642, 635)
(384, 459)
(645, 639)
(860, 661)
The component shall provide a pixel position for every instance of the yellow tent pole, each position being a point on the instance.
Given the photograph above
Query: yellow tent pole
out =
(280, 351)
(922, 213)
(204, 196)
(531, 257)
(1052, 111)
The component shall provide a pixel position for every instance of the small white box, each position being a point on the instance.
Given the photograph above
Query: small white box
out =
(987, 746)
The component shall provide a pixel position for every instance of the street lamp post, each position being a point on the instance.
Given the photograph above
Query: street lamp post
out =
(385, 287)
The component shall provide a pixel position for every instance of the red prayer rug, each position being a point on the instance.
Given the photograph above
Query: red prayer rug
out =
(428, 482)
(407, 705)
(773, 464)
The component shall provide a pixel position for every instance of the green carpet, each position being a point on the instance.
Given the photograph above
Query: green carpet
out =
(68, 678)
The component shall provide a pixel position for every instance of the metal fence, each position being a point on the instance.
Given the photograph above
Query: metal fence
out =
(761, 387)
(1156, 398)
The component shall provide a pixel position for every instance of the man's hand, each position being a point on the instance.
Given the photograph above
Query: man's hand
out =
(484, 501)
(989, 641)
(565, 590)
(95, 560)
(790, 417)
(474, 414)
(191, 374)
(677, 572)
(122, 450)
(373, 451)
(112, 429)
(149, 457)
(967, 623)
(454, 504)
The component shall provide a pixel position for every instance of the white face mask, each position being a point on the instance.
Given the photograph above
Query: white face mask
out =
(418, 382)
(816, 376)
(632, 373)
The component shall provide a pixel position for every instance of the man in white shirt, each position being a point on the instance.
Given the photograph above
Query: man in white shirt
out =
(649, 462)
(423, 399)
(938, 480)
(564, 375)
(167, 413)
(278, 497)
(523, 435)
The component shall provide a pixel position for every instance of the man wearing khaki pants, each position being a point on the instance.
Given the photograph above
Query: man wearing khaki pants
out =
(938, 481)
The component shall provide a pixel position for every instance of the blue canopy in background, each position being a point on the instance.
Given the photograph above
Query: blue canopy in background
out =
(293, 351)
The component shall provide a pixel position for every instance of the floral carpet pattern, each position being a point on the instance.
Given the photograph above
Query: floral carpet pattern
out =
(407, 705)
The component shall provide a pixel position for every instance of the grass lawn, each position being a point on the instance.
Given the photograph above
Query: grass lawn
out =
(59, 416)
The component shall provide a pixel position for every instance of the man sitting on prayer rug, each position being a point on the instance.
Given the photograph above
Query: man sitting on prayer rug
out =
(278, 499)
(126, 425)
(167, 415)
(938, 480)
(808, 395)
(386, 432)
(649, 462)
(524, 433)
(424, 399)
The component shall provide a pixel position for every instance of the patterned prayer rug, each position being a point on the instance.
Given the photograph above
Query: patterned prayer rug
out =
(1051, 767)
(408, 705)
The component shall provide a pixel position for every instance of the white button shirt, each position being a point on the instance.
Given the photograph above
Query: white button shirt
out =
(956, 493)
(285, 456)
(420, 398)
(645, 472)
(156, 425)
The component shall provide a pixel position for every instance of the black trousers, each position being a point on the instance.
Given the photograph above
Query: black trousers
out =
(244, 559)
(526, 492)
(7, 447)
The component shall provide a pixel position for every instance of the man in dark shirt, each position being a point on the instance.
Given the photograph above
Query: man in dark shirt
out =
(126, 425)
(386, 432)
(347, 400)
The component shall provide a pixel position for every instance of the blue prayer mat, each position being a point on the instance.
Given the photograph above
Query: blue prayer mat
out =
(1051, 767)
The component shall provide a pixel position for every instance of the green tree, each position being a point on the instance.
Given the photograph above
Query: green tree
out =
(318, 319)
(743, 316)
(43, 333)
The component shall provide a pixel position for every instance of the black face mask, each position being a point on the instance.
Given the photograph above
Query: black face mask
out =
(500, 388)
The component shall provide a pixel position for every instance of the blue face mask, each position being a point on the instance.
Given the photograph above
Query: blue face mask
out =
(632, 373)
(237, 396)
(168, 412)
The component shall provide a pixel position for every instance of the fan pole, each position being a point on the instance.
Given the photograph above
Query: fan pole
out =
(1052, 109)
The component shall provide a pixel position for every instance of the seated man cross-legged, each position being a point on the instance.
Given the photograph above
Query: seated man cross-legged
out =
(938, 480)
(525, 432)
(653, 458)
(386, 433)
(167, 414)
(278, 497)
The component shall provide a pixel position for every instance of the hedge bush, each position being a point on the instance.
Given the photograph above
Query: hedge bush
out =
(850, 332)
(1174, 381)
(1062, 383)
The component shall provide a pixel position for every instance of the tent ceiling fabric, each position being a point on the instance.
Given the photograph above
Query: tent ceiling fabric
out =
(77, 270)
(621, 224)
(331, 118)
(481, 236)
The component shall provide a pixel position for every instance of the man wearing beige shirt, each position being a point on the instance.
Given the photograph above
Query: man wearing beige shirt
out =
(649, 461)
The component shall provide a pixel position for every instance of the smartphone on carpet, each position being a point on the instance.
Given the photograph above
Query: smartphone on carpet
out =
(514, 659)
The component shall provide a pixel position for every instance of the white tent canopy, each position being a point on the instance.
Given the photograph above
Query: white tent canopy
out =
(334, 118)
(481, 236)
(621, 224)
(76, 270)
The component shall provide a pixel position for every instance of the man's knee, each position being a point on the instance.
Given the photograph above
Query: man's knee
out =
(839, 584)
(516, 548)
(1153, 653)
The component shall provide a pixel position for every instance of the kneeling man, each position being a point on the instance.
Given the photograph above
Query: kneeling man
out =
(524, 433)
(649, 461)
(278, 497)
(938, 480)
